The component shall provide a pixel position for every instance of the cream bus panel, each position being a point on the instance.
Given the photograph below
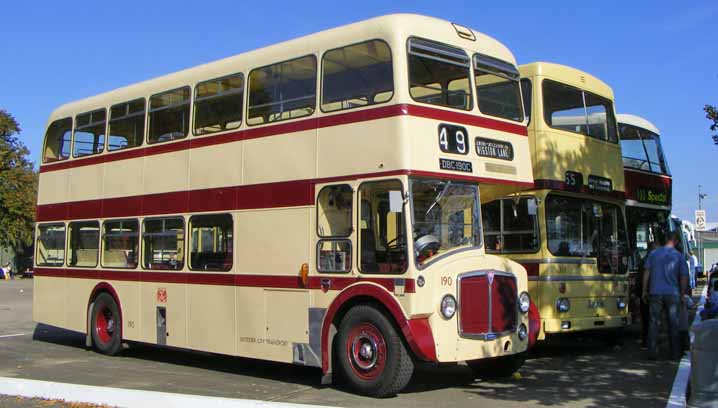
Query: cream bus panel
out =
(216, 166)
(166, 172)
(123, 178)
(211, 318)
(53, 187)
(77, 293)
(86, 183)
(260, 249)
(176, 309)
(272, 159)
(50, 294)
(380, 142)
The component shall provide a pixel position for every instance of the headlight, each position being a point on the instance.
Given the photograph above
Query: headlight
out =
(620, 303)
(523, 332)
(563, 305)
(524, 302)
(448, 306)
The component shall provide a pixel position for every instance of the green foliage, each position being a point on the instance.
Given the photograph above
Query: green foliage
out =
(18, 186)
(712, 115)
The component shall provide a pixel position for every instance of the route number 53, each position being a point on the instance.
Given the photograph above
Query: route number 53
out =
(453, 139)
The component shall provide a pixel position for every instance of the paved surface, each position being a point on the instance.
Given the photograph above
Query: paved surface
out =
(565, 372)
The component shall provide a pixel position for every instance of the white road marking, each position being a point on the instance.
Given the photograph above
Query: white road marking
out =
(12, 335)
(121, 397)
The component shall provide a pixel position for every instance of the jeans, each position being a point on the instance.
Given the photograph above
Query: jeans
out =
(692, 278)
(657, 305)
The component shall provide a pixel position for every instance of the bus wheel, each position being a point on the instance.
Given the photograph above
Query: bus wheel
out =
(105, 325)
(371, 356)
(498, 367)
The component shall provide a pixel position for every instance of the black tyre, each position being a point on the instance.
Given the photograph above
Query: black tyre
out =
(105, 325)
(497, 367)
(370, 355)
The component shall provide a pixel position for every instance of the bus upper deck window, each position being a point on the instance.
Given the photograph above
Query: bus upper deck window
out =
(89, 133)
(58, 140)
(497, 88)
(218, 104)
(168, 117)
(439, 74)
(282, 91)
(357, 75)
(126, 127)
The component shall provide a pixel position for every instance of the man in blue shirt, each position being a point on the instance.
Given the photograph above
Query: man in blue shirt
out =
(665, 279)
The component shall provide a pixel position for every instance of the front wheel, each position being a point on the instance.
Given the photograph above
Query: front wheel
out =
(497, 367)
(371, 355)
(105, 325)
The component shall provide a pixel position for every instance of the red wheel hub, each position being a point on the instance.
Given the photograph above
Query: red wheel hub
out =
(104, 324)
(366, 350)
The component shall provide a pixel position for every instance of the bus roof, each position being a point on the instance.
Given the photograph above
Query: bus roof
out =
(637, 121)
(394, 28)
(567, 75)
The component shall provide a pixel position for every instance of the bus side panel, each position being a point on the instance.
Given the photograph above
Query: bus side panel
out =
(77, 294)
(271, 159)
(211, 318)
(216, 166)
(173, 298)
(272, 246)
(86, 183)
(50, 305)
(123, 178)
(166, 172)
(129, 298)
(53, 187)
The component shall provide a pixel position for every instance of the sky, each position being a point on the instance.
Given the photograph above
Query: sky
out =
(658, 56)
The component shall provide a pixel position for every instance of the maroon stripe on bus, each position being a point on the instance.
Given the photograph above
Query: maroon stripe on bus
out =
(296, 126)
(637, 179)
(560, 185)
(222, 279)
(256, 196)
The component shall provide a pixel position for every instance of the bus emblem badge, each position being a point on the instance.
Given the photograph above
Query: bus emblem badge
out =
(161, 295)
(491, 277)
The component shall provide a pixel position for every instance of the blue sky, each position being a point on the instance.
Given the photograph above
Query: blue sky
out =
(659, 56)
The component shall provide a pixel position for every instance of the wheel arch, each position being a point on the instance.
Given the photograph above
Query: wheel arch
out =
(416, 332)
(102, 287)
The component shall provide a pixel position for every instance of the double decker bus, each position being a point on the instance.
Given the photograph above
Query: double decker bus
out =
(314, 202)
(569, 232)
(648, 189)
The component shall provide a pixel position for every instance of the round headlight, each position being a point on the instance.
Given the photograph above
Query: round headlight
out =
(523, 332)
(524, 302)
(563, 305)
(620, 303)
(448, 306)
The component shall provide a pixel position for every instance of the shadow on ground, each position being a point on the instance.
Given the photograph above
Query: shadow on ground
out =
(567, 371)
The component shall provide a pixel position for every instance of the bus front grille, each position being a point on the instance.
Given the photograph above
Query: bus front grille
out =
(487, 304)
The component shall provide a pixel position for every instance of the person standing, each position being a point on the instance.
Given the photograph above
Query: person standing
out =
(692, 265)
(665, 279)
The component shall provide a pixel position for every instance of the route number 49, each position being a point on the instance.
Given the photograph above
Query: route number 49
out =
(453, 139)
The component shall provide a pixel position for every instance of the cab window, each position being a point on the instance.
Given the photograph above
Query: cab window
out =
(382, 228)
(334, 225)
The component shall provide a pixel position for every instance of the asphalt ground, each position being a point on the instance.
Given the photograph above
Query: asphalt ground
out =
(565, 371)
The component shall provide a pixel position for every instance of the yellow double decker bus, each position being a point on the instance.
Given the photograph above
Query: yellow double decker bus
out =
(569, 232)
(314, 202)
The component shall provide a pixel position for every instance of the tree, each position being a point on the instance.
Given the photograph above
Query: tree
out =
(712, 115)
(18, 187)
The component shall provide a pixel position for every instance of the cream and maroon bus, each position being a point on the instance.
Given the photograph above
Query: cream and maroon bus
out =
(314, 202)
(569, 232)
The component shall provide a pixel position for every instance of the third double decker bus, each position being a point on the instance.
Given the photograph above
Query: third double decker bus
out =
(315, 202)
(569, 232)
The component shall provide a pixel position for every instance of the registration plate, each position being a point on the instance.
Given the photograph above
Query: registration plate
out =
(595, 303)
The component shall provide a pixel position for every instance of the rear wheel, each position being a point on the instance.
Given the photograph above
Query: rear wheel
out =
(370, 354)
(497, 367)
(105, 325)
